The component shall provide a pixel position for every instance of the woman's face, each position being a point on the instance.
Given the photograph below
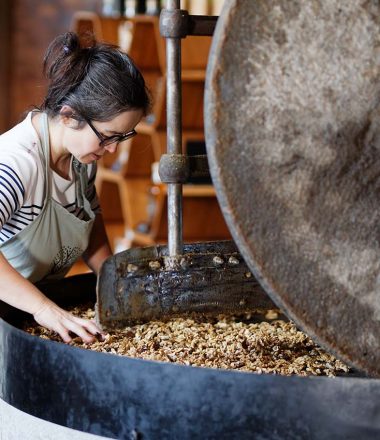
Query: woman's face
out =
(84, 143)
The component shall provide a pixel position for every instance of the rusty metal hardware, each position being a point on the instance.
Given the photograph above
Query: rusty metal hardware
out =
(174, 168)
(174, 134)
(201, 25)
(173, 23)
(178, 168)
(209, 278)
(179, 24)
(198, 166)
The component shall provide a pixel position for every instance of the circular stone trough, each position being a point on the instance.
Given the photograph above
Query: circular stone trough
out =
(123, 398)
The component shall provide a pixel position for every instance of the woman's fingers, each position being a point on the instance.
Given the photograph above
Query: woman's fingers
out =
(72, 324)
(92, 329)
(54, 318)
(91, 326)
(64, 334)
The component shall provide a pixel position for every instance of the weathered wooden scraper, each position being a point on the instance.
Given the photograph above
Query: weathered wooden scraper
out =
(146, 283)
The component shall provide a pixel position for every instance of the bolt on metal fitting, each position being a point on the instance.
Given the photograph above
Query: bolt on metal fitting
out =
(233, 261)
(218, 261)
(154, 265)
(132, 267)
(184, 263)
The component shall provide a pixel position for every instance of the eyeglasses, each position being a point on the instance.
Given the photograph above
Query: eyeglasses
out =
(108, 140)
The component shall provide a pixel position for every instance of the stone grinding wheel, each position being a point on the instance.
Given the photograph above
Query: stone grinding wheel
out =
(293, 141)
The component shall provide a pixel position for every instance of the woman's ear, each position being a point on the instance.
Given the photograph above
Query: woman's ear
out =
(66, 117)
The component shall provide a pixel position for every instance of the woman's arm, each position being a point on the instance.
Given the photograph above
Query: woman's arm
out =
(20, 293)
(99, 248)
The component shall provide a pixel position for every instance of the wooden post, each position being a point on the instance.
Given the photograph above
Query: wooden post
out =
(5, 16)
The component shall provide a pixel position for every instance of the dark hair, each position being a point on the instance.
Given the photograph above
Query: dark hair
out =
(98, 82)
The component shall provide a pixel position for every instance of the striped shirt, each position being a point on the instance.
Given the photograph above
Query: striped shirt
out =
(22, 181)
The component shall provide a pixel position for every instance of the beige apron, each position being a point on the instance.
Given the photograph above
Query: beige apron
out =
(50, 245)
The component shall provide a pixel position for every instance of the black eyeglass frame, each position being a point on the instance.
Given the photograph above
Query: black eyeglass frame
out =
(108, 140)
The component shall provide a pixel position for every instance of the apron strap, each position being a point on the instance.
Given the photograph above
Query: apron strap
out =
(80, 171)
(46, 152)
(80, 183)
(81, 186)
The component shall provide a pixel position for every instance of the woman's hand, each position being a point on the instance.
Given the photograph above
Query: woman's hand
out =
(22, 294)
(54, 318)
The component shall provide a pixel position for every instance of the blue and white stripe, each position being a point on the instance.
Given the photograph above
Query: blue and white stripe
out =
(15, 216)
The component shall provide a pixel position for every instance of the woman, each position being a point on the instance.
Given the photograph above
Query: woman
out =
(49, 212)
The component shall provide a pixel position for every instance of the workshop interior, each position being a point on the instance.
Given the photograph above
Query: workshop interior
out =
(246, 208)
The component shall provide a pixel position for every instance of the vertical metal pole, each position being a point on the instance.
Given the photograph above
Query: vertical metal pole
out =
(174, 135)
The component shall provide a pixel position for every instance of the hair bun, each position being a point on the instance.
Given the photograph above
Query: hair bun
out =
(71, 42)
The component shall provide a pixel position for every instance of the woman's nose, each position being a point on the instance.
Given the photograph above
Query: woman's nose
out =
(111, 148)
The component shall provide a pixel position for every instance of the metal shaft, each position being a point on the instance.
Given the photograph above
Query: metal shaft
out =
(174, 135)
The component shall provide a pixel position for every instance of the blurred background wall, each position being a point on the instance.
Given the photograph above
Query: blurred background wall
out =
(26, 29)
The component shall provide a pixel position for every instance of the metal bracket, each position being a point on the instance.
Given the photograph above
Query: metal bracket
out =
(178, 168)
(199, 166)
(174, 168)
(179, 24)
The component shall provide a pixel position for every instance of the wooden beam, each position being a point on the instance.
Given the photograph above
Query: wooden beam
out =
(5, 6)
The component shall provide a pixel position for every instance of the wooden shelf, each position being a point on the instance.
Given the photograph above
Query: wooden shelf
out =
(202, 219)
(142, 204)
